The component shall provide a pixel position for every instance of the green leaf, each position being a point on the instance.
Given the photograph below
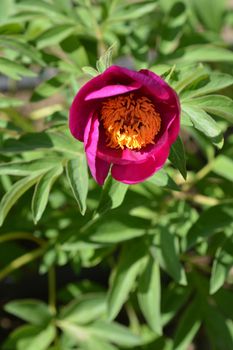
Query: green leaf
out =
(77, 174)
(54, 35)
(7, 8)
(112, 195)
(218, 105)
(105, 61)
(43, 7)
(196, 75)
(85, 310)
(55, 140)
(177, 157)
(202, 53)
(101, 330)
(26, 168)
(170, 258)
(23, 48)
(114, 333)
(42, 190)
(173, 298)
(162, 179)
(76, 332)
(204, 123)
(125, 275)
(29, 310)
(10, 28)
(216, 82)
(90, 70)
(223, 261)
(209, 222)
(30, 338)
(218, 329)
(149, 294)
(115, 231)
(188, 326)
(6, 102)
(49, 87)
(95, 343)
(211, 16)
(14, 70)
(223, 166)
(134, 11)
(15, 192)
(41, 341)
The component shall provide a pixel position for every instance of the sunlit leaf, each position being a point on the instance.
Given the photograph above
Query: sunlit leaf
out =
(42, 190)
(77, 174)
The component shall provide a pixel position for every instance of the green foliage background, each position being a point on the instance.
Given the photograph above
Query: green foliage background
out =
(145, 267)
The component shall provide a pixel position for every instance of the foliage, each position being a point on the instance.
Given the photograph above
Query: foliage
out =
(147, 266)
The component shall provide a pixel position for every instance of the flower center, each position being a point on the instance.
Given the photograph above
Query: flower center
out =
(130, 121)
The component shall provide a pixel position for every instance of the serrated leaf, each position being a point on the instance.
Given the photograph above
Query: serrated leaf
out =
(123, 280)
(15, 192)
(204, 123)
(29, 310)
(177, 157)
(42, 190)
(77, 174)
(112, 195)
(149, 295)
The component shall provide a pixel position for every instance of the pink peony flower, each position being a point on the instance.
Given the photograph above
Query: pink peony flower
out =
(128, 121)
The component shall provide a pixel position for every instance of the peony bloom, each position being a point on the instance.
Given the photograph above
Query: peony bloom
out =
(128, 121)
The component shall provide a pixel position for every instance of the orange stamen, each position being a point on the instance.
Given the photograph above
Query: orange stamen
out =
(130, 121)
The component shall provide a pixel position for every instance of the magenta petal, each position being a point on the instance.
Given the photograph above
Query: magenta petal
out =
(112, 90)
(99, 168)
(137, 172)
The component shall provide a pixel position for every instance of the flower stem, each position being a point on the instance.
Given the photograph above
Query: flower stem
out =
(22, 260)
(52, 290)
(20, 235)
